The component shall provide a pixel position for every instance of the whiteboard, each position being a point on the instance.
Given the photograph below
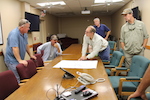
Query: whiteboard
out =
(1, 34)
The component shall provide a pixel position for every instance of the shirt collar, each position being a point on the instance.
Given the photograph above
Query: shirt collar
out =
(20, 32)
(94, 37)
(134, 22)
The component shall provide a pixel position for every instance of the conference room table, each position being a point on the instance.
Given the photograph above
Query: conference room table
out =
(41, 86)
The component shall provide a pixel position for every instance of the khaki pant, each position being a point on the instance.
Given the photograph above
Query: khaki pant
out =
(128, 57)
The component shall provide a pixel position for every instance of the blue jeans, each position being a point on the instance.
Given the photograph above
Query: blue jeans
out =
(12, 67)
(105, 54)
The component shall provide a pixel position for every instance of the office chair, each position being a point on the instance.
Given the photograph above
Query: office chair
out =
(123, 65)
(35, 46)
(8, 84)
(112, 45)
(26, 72)
(116, 61)
(38, 61)
(126, 85)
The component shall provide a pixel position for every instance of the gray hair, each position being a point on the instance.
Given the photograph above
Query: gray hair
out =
(53, 37)
(92, 28)
(96, 19)
(23, 22)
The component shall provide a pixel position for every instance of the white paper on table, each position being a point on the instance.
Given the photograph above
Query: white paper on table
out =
(86, 64)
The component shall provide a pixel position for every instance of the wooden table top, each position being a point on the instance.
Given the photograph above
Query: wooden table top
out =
(39, 87)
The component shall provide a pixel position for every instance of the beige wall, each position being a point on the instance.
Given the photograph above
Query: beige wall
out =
(51, 25)
(75, 26)
(118, 21)
(11, 12)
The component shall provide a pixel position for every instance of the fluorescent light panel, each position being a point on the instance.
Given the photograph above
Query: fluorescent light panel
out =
(103, 1)
(99, 1)
(51, 3)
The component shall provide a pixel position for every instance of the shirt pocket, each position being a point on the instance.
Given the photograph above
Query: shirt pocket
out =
(127, 34)
(138, 28)
(139, 31)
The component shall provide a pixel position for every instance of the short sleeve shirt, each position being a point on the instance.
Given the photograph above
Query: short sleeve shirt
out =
(101, 30)
(16, 39)
(133, 35)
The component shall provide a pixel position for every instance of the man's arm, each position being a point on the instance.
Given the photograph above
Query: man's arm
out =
(146, 35)
(145, 42)
(58, 48)
(17, 56)
(107, 35)
(122, 45)
(29, 53)
(84, 49)
(122, 39)
(140, 92)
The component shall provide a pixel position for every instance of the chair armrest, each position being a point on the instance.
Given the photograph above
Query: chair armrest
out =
(118, 70)
(39, 68)
(105, 61)
(24, 80)
(109, 66)
(127, 79)
(121, 68)
(112, 49)
(47, 61)
(133, 78)
(21, 84)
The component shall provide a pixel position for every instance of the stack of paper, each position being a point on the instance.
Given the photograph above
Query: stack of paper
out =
(87, 64)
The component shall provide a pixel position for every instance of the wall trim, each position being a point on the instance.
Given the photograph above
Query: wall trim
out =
(147, 47)
(31, 46)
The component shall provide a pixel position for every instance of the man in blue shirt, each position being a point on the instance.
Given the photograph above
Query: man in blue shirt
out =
(51, 49)
(17, 46)
(101, 29)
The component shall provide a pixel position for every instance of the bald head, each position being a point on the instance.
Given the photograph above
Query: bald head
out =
(90, 31)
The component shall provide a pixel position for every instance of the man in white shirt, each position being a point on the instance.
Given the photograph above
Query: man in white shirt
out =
(51, 49)
(99, 45)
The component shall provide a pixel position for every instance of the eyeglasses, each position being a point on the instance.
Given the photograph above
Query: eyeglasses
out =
(87, 32)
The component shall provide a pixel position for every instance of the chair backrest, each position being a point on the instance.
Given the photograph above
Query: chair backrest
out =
(8, 84)
(26, 72)
(138, 66)
(35, 46)
(39, 61)
(121, 51)
(117, 58)
(112, 45)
